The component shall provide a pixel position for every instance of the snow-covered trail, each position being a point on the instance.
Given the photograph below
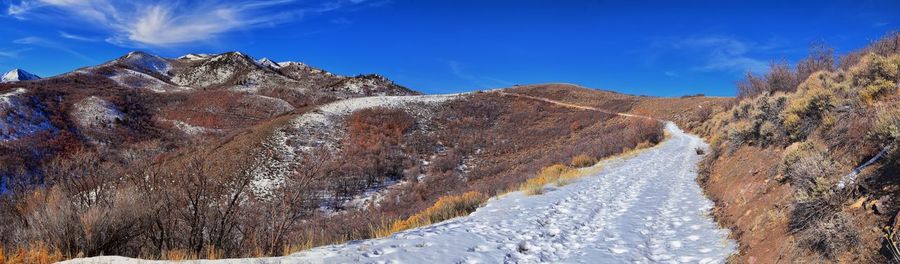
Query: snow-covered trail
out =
(646, 208)
(641, 209)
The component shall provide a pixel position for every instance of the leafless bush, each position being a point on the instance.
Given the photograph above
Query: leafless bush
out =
(751, 85)
(780, 78)
(820, 58)
(446, 163)
(103, 228)
(821, 226)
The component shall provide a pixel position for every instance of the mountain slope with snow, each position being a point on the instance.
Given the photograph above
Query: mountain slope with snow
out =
(643, 209)
(16, 75)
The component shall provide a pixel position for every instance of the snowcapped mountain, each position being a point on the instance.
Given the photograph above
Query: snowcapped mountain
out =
(146, 62)
(236, 71)
(16, 75)
(266, 62)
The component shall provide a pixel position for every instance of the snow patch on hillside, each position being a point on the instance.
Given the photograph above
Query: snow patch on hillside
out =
(94, 112)
(320, 128)
(215, 70)
(201, 56)
(266, 62)
(147, 62)
(134, 79)
(273, 170)
(20, 118)
(192, 130)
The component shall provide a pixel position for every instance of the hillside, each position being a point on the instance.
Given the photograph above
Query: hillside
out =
(804, 167)
(230, 157)
(617, 210)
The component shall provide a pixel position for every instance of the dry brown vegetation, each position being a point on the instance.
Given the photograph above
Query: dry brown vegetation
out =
(823, 120)
(583, 160)
(688, 112)
(161, 194)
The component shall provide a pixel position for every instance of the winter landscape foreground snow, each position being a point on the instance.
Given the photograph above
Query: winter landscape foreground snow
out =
(641, 209)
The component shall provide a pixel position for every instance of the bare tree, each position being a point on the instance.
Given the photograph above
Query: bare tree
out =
(820, 58)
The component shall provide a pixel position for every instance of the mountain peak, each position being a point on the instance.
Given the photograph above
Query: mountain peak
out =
(16, 75)
(195, 56)
(146, 62)
(268, 63)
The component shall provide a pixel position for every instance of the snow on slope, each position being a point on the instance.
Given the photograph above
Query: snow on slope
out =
(266, 62)
(320, 128)
(94, 112)
(19, 118)
(643, 209)
(16, 75)
(147, 62)
(193, 56)
(140, 80)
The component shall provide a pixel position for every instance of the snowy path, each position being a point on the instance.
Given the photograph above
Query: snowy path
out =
(641, 209)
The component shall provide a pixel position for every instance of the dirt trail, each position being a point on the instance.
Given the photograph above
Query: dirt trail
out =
(573, 105)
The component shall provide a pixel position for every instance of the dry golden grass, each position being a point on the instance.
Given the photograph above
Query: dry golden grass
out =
(546, 176)
(320, 240)
(34, 254)
(569, 176)
(177, 255)
(582, 161)
(213, 253)
(445, 208)
(562, 175)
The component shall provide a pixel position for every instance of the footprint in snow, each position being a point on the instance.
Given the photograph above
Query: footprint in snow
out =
(675, 244)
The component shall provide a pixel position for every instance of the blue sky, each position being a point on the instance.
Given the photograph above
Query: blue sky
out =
(664, 48)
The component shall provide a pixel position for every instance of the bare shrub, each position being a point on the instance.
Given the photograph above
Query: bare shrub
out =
(820, 58)
(821, 227)
(444, 163)
(752, 85)
(780, 78)
(73, 228)
(808, 168)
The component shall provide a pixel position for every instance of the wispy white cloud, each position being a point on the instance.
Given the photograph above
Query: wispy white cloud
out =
(481, 81)
(41, 42)
(12, 53)
(718, 53)
(170, 22)
(67, 35)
